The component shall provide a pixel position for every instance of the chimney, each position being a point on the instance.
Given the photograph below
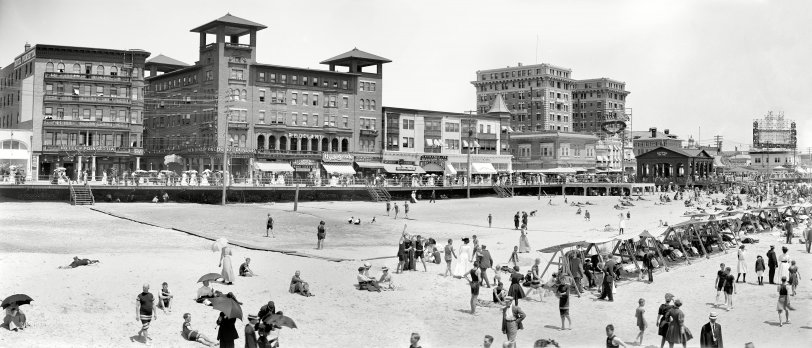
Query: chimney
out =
(27, 46)
(666, 131)
(520, 63)
(653, 131)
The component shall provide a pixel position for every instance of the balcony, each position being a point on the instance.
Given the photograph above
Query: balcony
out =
(237, 125)
(68, 98)
(85, 77)
(369, 133)
(272, 125)
(87, 124)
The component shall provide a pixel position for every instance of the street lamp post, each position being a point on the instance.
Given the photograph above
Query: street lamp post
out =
(226, 143)
(470, 144)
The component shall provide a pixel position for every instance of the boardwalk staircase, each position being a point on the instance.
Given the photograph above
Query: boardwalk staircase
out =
(378, 193)
(81, 195)
(502, 191)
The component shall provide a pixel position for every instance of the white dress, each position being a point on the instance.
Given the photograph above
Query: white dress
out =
(741, 267)
(462, 263)
(783, 267)
(228, 270)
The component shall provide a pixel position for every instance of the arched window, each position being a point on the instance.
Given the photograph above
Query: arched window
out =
(113, 71)
(60, 67)
(49, 67)
(345, 145)
(294, 144)
(14, 145)
(100, 70)
(244, 95)
(361, 105)
(372, 106)
(271, 142)
(314, 144)
(77, 69)
(324, 144)
(260, 141)
(283, 143)
(334, 144)
(235, 95)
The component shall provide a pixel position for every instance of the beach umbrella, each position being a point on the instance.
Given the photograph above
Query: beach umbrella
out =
(230, 307)
(209, 276)
(219, 244)
(193, 171)
(280, 320)
(20, 299)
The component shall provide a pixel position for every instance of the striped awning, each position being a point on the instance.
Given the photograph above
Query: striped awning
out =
(482, 168)
(339, 168)
(369, 165)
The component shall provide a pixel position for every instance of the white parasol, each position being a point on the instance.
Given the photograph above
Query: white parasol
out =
(220, 243)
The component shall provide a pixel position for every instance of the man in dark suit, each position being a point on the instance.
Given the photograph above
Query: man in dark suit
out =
(711, 334)
(772, 262)
(485, 262)
(512, 317)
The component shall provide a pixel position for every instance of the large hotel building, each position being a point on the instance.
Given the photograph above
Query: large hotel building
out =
(271, 117)
(539, 96)
(82, 106)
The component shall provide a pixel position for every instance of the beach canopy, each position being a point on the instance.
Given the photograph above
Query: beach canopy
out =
(20, 299)
(556, 248)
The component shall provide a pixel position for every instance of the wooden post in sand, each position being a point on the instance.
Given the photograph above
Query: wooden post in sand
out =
(296, 198)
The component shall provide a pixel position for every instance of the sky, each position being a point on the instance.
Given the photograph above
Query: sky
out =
(698, 68)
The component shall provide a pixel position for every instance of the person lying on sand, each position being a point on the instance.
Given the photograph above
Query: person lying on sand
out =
(79, 262)
(533, 213)
(193, 335)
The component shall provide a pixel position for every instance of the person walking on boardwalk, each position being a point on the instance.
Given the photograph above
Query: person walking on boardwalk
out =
(321, 232)
(397, 210)
(433, 197)
(269, 226)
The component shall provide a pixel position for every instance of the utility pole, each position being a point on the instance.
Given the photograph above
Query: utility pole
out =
(470, 145)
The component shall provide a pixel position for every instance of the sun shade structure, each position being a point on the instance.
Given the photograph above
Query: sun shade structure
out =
(273, 166)
(355, 55)
(233, 25)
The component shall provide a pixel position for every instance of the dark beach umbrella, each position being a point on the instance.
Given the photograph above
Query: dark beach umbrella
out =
(227, 305)
(21, 299)
(210, 276)
(280, 320)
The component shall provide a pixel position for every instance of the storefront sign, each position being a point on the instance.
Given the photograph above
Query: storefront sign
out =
(31, 54)
(433, 158)
(337, 157)
(400, 162)
(405, 168)
(80, 148)
(304, 163)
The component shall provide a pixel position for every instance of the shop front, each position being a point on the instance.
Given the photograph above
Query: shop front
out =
(272, 173)
(104, 164)
(16, 163)
(337, 169)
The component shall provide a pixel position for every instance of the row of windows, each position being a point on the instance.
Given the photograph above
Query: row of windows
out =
(498, 86)
(584, 95)
(272, 77)
(775, 160)
(175, 82)
(87, 114)
(524, 72)
(17, 74)
(614, 85)
(90, 90)
(597, 104)
(89, 69)
(6, 120)
(563, 151)
(91, 138)
(522, 96)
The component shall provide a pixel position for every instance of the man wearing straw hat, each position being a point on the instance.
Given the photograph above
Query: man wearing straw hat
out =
(711, 334)
(512, 317)
(250, 334)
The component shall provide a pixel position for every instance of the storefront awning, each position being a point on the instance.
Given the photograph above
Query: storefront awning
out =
(402, 169)
(273, 166)
(432, 167)
(482, 168)
(449, 169)
(369, 165)
(339, 168)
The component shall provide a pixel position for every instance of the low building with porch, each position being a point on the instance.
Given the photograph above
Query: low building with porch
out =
(16, 164)
(665, 166)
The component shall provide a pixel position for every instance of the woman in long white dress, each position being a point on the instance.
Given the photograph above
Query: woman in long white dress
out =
(783, 264)
(524, 244)
(225, 262)
(463, 261)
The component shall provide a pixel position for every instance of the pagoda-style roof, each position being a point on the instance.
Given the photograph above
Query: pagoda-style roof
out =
(161, 59)
(498, 106)
(362, 58)
(233, 26)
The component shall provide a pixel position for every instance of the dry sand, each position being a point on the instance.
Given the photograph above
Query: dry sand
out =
(94, 306)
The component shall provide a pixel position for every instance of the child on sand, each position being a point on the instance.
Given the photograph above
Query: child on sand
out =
(449, 252)
(760, 269)
(611, 339)
(514, 257)
(564, 304)
(192, 335)
(165, 299)
(641, 321)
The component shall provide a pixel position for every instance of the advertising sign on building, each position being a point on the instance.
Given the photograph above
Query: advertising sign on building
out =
(337, 157)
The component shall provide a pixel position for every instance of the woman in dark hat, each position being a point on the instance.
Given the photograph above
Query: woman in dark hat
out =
(677, 332)
(663, 318)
